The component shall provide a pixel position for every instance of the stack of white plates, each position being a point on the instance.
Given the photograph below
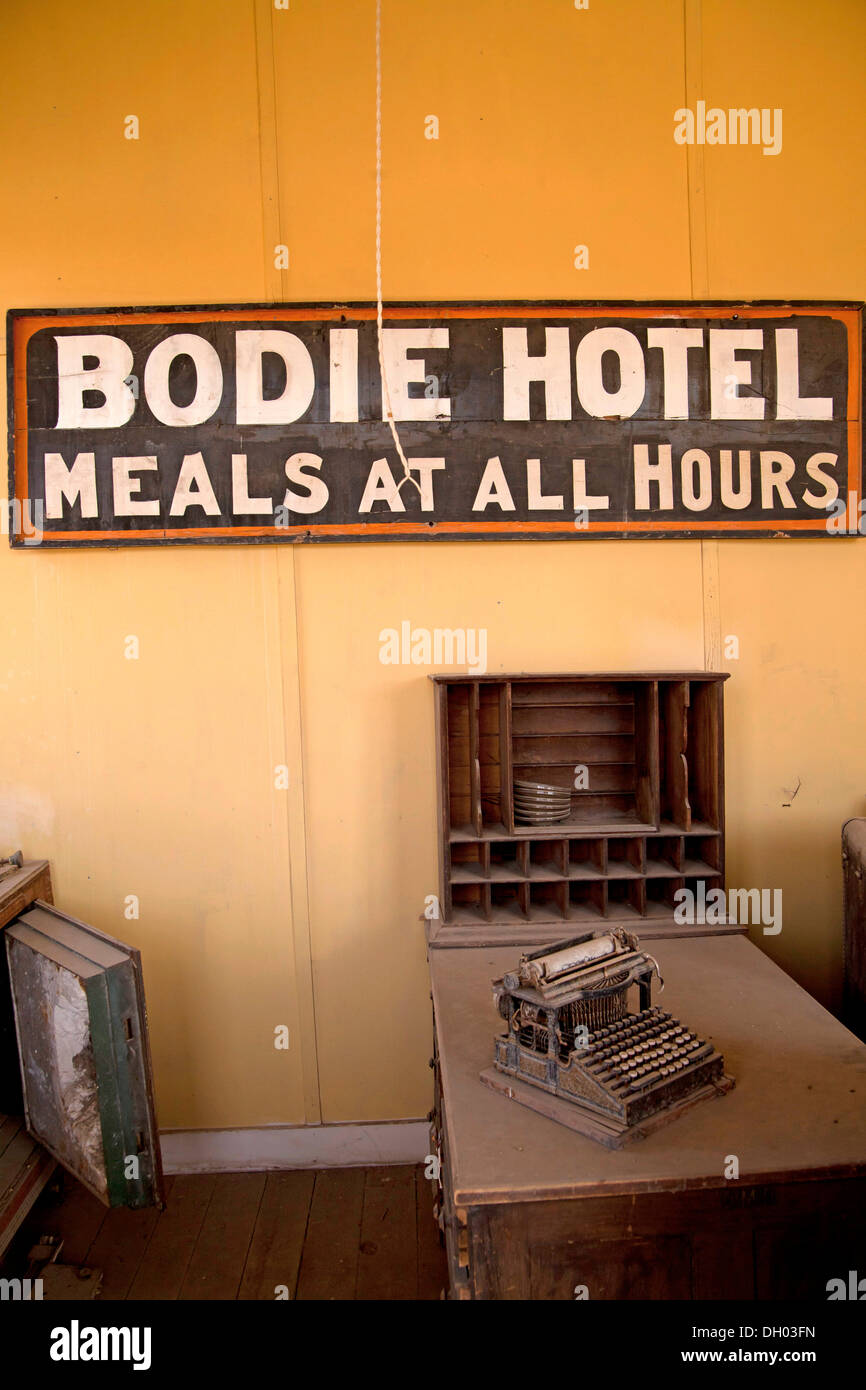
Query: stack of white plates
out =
(539, 803)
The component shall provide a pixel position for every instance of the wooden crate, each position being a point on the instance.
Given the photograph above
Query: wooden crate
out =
(25, 1167)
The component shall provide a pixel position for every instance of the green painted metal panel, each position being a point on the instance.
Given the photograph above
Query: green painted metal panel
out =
(85, 1057)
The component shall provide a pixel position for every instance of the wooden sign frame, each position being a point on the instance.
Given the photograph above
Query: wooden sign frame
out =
(536, 455)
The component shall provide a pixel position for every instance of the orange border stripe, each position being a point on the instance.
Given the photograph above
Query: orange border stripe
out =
(25, 326)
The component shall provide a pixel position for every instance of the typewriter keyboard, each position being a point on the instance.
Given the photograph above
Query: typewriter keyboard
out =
(640, 1051)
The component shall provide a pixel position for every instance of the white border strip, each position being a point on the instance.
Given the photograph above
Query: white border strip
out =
(294, 1146)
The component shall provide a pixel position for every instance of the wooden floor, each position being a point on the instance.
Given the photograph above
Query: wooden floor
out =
(343, 1233)
(25, 1168)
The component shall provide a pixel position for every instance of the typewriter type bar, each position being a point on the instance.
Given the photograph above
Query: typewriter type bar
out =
(574, 1053)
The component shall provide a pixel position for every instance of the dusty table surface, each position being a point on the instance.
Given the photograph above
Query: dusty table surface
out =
(798, 1109)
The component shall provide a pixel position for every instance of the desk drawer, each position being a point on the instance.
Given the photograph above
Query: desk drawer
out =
(768, 1241)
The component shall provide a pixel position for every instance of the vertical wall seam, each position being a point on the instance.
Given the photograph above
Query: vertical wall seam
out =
(695, 172)
(290, 661)
(275, 283)
(711, 605)
(699, 279)
(276, 290)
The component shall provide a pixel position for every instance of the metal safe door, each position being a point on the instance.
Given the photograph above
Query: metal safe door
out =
(80, 1018)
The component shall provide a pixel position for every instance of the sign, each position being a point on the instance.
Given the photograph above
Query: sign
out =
(556, 421)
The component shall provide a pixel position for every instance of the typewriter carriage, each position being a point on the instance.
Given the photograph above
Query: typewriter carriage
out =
(558, 996)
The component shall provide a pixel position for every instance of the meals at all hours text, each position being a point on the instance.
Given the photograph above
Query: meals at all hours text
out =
(744, 477)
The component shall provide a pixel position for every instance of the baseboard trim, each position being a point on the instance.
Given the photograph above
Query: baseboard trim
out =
(294, 1146)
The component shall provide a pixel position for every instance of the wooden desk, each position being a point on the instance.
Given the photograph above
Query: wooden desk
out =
(533, 1210)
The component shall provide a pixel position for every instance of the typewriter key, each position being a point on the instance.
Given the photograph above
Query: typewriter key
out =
(650, 1079)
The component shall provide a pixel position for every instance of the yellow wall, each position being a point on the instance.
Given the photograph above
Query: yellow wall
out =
(155, 777)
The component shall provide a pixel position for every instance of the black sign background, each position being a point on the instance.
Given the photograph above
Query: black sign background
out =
(469, 373)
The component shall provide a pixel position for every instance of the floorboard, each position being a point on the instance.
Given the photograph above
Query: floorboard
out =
(166, 1260)
(388, 1257)
(220, 1253)
(328, 1234)
(19, 1149)
(74, 1215)
(329, 1266)
(119, 1248)
(10, 1125)
(274, 1257)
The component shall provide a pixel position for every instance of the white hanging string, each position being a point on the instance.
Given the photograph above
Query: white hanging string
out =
(386, 394)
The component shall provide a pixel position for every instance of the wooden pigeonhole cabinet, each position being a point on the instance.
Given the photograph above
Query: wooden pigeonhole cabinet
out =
(643, 758)
(759, 1194)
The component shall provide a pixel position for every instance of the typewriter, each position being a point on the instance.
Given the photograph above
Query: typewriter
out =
(575, 1052)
